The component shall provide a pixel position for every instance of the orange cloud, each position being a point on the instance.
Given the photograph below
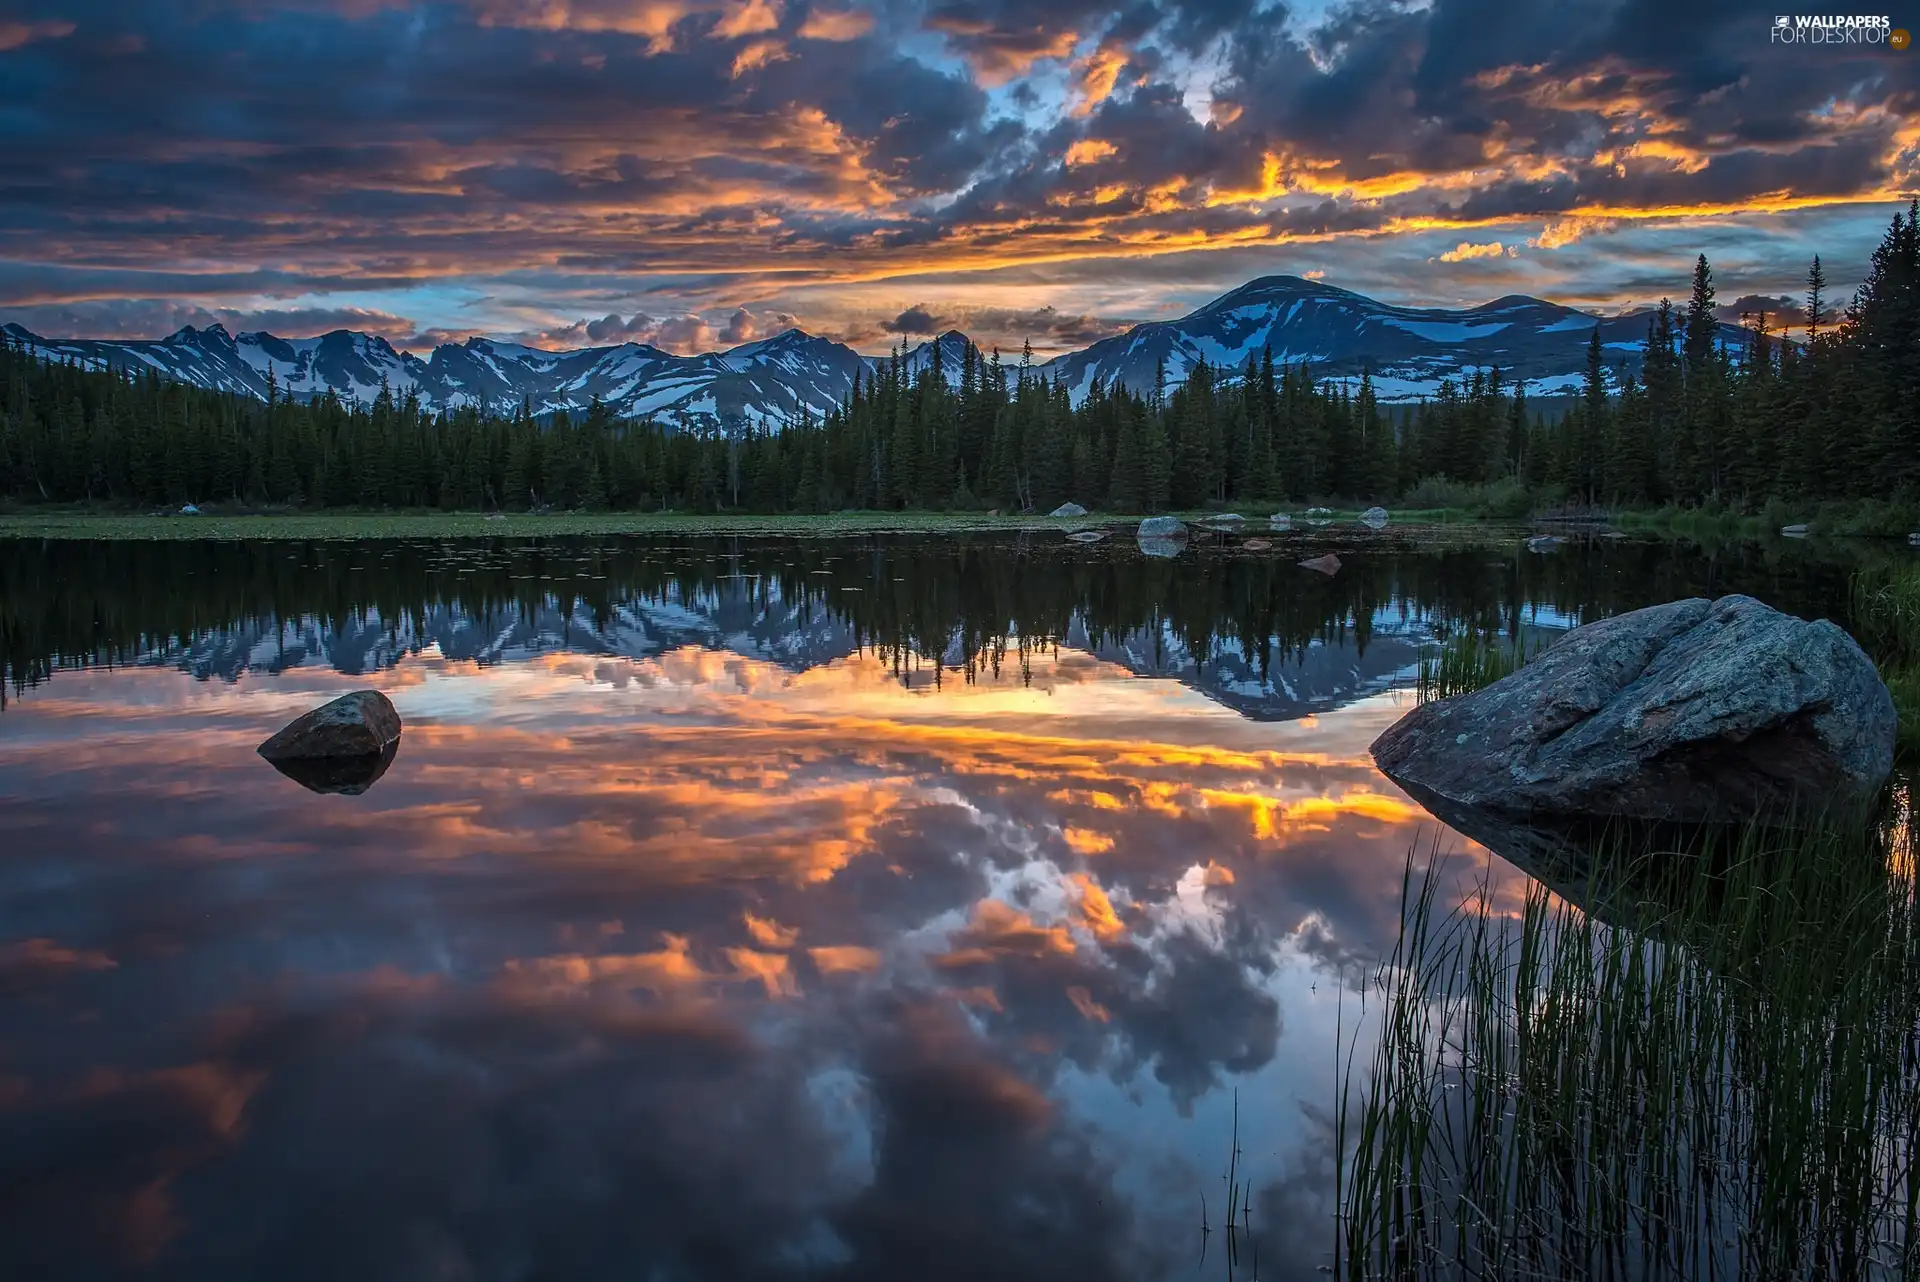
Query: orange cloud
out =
(770, 934)
(1084, 841)
(1466, 251)
(844, 959)
(1086, 151)
(836, 24)
(1083, 1002)
(999, 930)
(1097, 74)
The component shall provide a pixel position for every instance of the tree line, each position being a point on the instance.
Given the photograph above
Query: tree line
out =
(1699, 421)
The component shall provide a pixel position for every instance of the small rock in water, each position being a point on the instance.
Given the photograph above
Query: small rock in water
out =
(496, 516)
(1163, 527)
(1913, 540)
(1328, 564)
(1281, 521)
(189, 510)
(1794, 531)
(1068, 509)
(361, 724)
(1374, 517)
(1544, 542)
(1229, 518)
(1319, 511)
(993, 511)
(1086, 536)
(1258, 545)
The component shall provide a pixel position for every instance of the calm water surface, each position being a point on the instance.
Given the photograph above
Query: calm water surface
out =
(880, 908)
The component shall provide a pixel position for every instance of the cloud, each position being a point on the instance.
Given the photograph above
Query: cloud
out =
(1007, 327)
(1466, 251)
(497, 162)
(835, 24)
(1783, 311)
(16, 35)
(158, 317)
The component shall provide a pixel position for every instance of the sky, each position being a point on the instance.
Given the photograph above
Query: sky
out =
(699, 173)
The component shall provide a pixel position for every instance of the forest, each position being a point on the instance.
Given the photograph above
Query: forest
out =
(1833, 414)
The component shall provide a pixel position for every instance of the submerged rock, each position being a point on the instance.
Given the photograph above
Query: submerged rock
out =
(1544, 542)
(1794, 531)
(1068, 509)
(361, 724)
(1328, 564)
(1697, 711)
(1157, 546)
(1163, 527)
(349, 776)
(1258, 545)
(1086, 536)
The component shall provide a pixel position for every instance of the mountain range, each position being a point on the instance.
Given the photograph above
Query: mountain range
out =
(778, 380)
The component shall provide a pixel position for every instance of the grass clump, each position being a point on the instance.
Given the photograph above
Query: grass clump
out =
(1468, 662)
(1711, 1069)
(1885, 612)
(1503, 500)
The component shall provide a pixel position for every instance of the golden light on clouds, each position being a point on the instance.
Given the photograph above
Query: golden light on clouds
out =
(836, 24)
(1086, 151)
(1466, 251)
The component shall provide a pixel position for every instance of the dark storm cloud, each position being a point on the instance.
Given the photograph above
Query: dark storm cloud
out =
(1781, 311)
(1042, 324)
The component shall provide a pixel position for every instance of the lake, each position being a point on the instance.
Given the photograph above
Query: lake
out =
(929, 907)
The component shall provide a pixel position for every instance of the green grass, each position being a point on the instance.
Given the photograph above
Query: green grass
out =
(1699, 524)
(346, 524)
(1712, 1069)
(1886, 620)
(1466, 663)
(379, 525)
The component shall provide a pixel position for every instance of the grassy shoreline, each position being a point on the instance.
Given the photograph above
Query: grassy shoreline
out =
(350, 524)
(81, 522)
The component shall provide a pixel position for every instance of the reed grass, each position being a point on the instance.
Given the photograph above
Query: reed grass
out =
(1711, 1070)
(1885, 610)
(1468, 662)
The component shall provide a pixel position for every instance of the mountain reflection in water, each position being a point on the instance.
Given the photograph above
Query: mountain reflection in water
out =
(734, 909)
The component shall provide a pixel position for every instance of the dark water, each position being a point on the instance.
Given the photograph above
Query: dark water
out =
(876, 908)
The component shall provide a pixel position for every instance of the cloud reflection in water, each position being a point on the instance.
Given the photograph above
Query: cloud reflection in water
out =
(687, 966)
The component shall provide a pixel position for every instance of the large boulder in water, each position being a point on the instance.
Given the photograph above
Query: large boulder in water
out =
(361, 724)
(1163, 527)
(1698, 711)
(1068, 509)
